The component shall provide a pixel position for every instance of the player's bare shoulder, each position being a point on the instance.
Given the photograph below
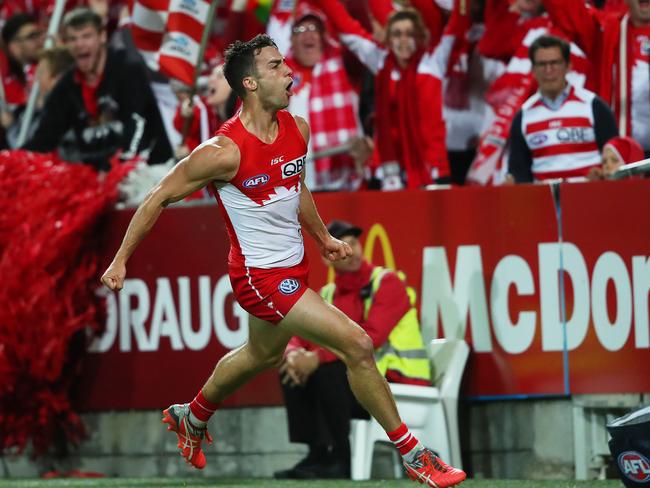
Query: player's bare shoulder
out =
(215, 159)
(303, 127)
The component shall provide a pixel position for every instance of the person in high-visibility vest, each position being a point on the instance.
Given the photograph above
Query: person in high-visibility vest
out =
(319, 401)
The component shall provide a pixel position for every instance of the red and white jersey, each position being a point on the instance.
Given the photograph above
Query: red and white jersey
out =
(563, 140)
(640, 84)
(260, 204)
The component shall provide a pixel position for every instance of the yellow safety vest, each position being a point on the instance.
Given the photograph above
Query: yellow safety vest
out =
(404, 350)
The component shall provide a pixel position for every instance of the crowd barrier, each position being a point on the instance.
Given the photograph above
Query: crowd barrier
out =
(551, 291)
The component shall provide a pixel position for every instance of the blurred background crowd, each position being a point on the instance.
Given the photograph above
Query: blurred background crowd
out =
(398, 94)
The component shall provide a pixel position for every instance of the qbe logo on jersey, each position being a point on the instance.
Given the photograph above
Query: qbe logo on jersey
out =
(289, 286)
(293, 168)
(634, 466)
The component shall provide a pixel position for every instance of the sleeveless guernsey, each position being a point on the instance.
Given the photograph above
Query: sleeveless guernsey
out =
(260, 204)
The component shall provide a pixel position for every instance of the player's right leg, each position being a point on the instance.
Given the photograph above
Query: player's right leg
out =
(314, 319)
(264, 349)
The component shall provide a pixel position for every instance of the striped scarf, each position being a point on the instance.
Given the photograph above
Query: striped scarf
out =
(333, 118)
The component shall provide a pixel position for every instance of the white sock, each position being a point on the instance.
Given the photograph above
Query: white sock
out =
(409, 457)
(195, 422)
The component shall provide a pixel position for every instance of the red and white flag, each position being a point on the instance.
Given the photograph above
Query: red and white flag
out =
(168, 34)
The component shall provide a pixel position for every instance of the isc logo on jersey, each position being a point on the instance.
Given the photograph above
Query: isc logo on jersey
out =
(257, 180)
(293, 168)
(634, 466)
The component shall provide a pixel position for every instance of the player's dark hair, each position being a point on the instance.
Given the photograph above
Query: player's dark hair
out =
(240, 61)
(544, 42)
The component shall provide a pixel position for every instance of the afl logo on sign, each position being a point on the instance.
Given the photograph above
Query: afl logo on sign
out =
(289, 286)
(634, 466)
(256, 180)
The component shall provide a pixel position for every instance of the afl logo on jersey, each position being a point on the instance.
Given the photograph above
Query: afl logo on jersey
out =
(538, 140)
(293, 167)
(257, 180)
(289, 286)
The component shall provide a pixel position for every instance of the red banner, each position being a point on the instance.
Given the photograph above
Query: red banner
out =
(486, 263)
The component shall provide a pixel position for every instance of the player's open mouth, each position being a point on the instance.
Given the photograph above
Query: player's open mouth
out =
(288, 89)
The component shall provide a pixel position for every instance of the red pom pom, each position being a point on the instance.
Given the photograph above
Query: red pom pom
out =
(48, 265)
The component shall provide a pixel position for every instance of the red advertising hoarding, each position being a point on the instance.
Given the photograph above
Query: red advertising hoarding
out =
(485, 261)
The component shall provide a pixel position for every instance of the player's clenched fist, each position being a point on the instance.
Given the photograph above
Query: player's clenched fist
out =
(335, 249)
(113, 277)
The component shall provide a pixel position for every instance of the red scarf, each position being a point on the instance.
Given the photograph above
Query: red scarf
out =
(409, 153)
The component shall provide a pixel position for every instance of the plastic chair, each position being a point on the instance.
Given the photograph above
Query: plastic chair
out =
(431, 413)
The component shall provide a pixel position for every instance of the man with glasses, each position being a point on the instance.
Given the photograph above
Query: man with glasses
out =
(323, 95)
(22, 39)
(619, 42)
(560, 131)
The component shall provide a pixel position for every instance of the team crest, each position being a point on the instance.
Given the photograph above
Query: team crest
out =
(289, 286)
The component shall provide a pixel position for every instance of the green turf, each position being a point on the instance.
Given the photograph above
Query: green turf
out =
(262, 483)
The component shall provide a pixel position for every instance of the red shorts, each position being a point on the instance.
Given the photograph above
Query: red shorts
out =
(269, 294)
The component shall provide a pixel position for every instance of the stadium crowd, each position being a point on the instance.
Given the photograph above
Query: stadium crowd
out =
(398, 94)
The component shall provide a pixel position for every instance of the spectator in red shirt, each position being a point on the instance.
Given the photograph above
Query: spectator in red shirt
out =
(409, 129)
(22, 39)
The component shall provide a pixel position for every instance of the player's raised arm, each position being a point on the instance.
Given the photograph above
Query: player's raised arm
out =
(330, 248)
(215, 159)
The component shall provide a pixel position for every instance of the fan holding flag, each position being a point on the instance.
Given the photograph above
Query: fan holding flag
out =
(174, 37)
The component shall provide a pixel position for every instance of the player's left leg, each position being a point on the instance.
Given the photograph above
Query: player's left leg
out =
(264, 349)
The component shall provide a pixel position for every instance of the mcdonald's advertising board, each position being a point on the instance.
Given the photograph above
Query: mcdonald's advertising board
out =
(548, 306)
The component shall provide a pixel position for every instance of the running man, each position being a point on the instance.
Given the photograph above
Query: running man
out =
(255, 168)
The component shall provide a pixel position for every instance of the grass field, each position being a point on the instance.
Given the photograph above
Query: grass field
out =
(263, 483)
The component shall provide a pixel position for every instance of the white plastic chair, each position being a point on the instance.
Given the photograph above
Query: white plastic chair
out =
(431, 413)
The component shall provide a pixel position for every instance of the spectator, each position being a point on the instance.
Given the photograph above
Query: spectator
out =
(52, 64)
(506, 26)
(619, 43)
(198, 119)
(323, 95)
(106, 101)
(523, 23)
(467, 78)
(616, 153)
(317, 394)
(193, 119)
(22, 39)
(409, 130)
(220, 96)
(560, 131)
